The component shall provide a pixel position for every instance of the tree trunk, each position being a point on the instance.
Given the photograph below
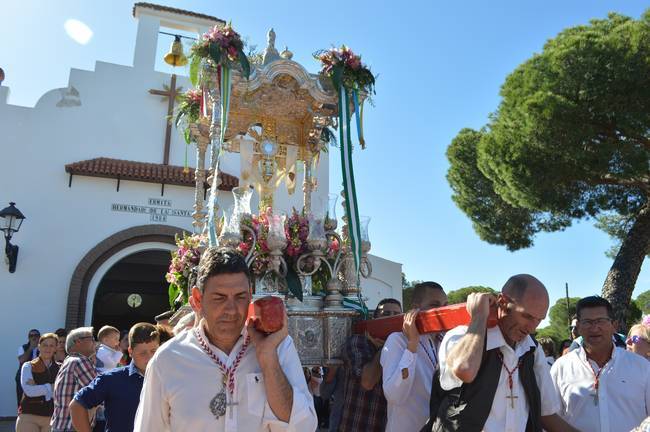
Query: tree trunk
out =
(624, 272)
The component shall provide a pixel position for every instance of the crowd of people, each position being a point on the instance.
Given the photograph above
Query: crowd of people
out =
(215, 371)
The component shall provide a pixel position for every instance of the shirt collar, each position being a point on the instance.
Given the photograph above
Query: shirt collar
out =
(134, 370)
(582, 353)
(495, 339)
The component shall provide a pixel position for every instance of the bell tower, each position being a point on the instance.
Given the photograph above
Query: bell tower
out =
(152, 17)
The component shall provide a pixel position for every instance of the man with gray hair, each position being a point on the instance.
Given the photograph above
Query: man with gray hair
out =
(77, 371)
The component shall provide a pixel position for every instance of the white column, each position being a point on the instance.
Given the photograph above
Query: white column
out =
(146, 42)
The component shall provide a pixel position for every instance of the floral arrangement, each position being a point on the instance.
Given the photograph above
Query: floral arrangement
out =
(183, 265)
(345, 68)
(220, 46)
(296, 228)
(188, 112)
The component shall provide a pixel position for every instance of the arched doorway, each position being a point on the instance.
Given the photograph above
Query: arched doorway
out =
(99, 260)
(132, 290)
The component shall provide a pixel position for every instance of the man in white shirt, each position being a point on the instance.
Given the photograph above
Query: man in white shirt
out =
(603, 388)
(221, 375)
(408, 361)
(497, 379)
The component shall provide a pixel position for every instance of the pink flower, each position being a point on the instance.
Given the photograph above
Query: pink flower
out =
(646, 320)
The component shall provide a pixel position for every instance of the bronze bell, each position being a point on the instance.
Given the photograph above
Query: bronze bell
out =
(175, 56)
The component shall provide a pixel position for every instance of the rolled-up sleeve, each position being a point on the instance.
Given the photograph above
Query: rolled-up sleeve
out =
(303, 414)
(153, 410)
(394, 358)
(33, 390)
(448, 380)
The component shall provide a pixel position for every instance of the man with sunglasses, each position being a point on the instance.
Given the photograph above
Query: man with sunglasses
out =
(497, 379)
(602, 387)
(26, 352)
(364, 404)
(76, 372)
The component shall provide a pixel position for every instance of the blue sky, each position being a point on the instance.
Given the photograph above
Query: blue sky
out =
(440, 66)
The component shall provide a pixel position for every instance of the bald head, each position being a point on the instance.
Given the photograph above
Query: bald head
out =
(524, 287)
(523, 304)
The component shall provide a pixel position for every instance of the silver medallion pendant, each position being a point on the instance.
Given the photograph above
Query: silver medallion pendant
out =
(218, 404)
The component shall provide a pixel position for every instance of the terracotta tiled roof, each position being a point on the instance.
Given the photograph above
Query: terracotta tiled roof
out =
(143, 172)
(176, 10)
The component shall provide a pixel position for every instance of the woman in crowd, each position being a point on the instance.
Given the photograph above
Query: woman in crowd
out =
(37, 380)
(60, 354)
(638, 338)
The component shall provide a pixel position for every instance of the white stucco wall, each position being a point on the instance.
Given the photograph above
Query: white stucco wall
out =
(384, 282)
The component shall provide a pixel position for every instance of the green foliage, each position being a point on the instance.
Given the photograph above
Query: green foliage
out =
(643, 302)
(569, 140)
(407, 293)
(550, 333)
(494, 219)
(407, 298)
(460, 295)
(194, 70)
(558, 328)
(617, 227)
(634, 314)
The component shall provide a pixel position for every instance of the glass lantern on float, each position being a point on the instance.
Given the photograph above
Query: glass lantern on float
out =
(365, 268)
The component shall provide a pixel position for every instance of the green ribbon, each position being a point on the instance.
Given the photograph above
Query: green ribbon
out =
(217, 143)
(349, 188)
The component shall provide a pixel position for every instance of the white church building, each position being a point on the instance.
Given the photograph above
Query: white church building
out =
(103, 197)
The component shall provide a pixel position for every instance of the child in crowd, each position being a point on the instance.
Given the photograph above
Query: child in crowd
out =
(108, 353)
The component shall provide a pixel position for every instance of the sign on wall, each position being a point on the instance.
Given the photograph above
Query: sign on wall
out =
(158, 209)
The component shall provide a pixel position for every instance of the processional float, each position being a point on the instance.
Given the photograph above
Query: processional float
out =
(276, 115)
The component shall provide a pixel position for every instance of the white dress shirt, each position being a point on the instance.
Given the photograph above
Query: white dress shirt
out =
(33, 390)
(623, 391)
(502, 416)
(408, 399)
(181, 380)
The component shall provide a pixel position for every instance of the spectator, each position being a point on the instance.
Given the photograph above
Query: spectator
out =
(37, 378)
(638, 338)
(108, 353)
(165, 333)
(564, 346)
(314, 379)
(602, 387)
(575, 333)
(60, 354)
(124, 347)
(332, 389)
(163, 318)
(548, 346)
(26, 352)
(119, 389)
(77, 371)
(185, 323)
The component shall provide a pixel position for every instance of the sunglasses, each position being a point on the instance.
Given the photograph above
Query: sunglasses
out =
(387, 313)
(34, 335)
(635, 340)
